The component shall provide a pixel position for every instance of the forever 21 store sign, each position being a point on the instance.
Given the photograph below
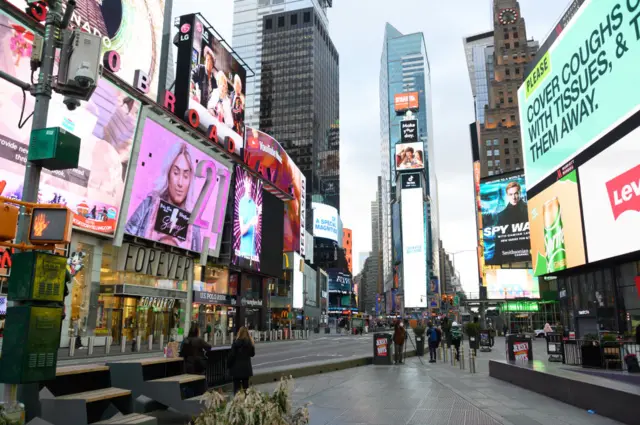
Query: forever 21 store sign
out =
(154, 262)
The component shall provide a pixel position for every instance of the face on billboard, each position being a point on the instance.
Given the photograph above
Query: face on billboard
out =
(169, 178)
(405, 101)
(505, 221)
(131, 28)
(106, 124)
(247, 220)
(217, 86)
(409, 156)
(556, 227)
(414, 249)
(610, 190)
(325, 222)
(583, 87)
(511, 283)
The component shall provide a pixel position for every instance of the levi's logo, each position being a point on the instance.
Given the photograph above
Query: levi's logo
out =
(624, 192)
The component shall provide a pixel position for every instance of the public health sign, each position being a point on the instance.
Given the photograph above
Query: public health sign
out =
(582, 88)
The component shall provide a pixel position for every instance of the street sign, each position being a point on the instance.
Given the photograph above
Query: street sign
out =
(456, 300)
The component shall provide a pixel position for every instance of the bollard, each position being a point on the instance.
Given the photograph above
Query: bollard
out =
(215, 339)
(231, 338)
(72, 347)
(444, 353)
(452, 356)
(462, 367)
(150, 342)
(162, 341)
(107, 346)
(472, 361)
(91, 342)
(139, 343)
(224, 338)
(206, 337)
(439, 354)
(124, 344)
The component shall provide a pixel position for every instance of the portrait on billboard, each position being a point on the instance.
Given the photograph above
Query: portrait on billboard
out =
(247, 220)
(505, 220)
(169, 178)
(409, 156)
(106, 124)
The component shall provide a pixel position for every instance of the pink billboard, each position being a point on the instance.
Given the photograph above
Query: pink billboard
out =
(174, 183)
(106, 124)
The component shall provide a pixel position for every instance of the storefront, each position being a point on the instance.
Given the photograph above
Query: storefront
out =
(215, 293)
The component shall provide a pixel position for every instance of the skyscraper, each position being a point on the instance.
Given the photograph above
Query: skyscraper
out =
(407, 150)
(477, 48)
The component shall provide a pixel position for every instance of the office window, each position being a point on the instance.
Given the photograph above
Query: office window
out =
(489, 153)
(506, 151)
(280, 21)
(294, 19)
(490, 163)
(496, 152)
(495, 142)
(269, 24)
(306, 17)
(507, 161)
(516, 161)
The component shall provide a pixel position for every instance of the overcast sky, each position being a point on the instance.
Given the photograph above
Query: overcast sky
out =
(357, 30)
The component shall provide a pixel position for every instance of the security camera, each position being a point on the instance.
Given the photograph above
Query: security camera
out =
(83, 76)
(80, 64)
(71, 102)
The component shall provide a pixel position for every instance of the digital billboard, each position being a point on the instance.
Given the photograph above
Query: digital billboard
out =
(169, 178)
(106, 124)
(272, 231)
(131, 28)
(409, 156)
(610, 193)
(298, 281)
(581, 88)
(396, 229)
(325, 222)
(247, 220)
(557, 241)
(414, 247)
(405, 101)
(408, 131)
(211, 82)
(339, 282)
(511, 283)
(505, 220)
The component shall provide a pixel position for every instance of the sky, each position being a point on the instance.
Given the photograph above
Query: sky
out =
(357, 30)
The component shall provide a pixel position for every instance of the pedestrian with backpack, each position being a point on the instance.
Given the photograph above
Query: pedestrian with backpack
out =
(432, 337)
(456, 338)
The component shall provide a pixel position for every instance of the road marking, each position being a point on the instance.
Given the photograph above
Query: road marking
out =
(299, 357)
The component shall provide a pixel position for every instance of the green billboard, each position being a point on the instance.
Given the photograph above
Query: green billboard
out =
(583, 86)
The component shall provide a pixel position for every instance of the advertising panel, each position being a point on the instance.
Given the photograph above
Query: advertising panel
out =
(610, 191)
(581, 88)
(556, 227)
(409, 131)
(414, 263)
(397, 233)
(339, 282)
(272, 231)
(169, 179)
(511, 283)
(247, 221)
(405, 101)
(131, 28)
(325, 222)
(211, 82)
(505, 220)
(411, 181)
(106, 124)
(298, 282)
(409, 156)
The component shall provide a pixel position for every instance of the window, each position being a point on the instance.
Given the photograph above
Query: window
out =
(269, 24)
(506, 35)
(516, 151)
(506, 151)
(489, 153)
(502, 100)
(497, 162)
(506, 140)
(294, 19)
(516, 44)
(507, 45)
(490, 163)
(280, 21)
(491, 173)
(507, 71)
(513, 118)
(488, 143)
(516, 161)
(496, 152)
(515, 34)
(515, 141)
(507, 161)
(510, 100)
(495, 142)
(306, 17)
(517, 70)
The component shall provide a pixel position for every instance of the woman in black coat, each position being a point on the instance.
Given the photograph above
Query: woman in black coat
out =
(193, 352)
(240, 360)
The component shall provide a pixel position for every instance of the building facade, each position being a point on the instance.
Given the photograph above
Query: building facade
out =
(476, 49)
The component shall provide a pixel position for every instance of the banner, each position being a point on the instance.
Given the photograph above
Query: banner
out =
(505, 221)
(405, 101)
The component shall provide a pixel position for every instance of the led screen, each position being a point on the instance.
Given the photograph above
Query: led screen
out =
(409, 156)
(298, 282)
(169, 178)
(414, 248)
(247, 220)
(511, 283)
(325, 222)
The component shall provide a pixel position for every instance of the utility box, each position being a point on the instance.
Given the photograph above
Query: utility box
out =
(30, 346)
(54, 148)
(37, 276)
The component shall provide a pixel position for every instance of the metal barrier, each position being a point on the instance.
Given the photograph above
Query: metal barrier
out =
(217, 372)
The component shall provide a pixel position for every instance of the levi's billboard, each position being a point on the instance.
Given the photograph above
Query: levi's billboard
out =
(584, 86)
(405, 101)
(610, 192)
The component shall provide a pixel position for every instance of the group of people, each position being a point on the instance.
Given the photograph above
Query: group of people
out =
(451, 332)
(409, 158)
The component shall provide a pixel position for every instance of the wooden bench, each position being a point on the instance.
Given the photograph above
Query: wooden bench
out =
(86, 407)
(153, 360)
(132, 419)
(181, 379)
(97, 395)
(80, 369)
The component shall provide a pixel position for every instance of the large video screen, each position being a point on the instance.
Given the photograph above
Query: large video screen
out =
(414, 247)
(511, 283)
(247, 221)
(409, 156)
(325, 222)
(581, 88)
(106, 124)
(610, 192)
(557, 241)
(272, 231)
(130, 27)
(505, 220)
(216, 82)
(170, 177)
(340, 282)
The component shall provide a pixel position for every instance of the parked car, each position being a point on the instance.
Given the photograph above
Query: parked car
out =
(539, 333)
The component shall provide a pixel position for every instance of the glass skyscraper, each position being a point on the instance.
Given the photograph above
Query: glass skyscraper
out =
(404, 67)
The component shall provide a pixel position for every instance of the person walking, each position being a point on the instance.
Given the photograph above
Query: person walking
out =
(456, 338)
(547, 329)
(432, 337)
(239, 362)
(399, 336)
(192, 350)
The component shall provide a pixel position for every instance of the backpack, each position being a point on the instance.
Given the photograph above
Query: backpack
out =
(433, 335)
(455, 333)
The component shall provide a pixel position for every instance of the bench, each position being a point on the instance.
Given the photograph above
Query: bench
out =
(86, 407)
(132, 419)
(182, 379)
(80, 369)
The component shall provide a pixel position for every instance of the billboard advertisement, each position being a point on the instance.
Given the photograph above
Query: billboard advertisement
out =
(298, 281)
(610, 192)
(106, 124)
(405, 101)
(131, 28)
(247, 220)
(414, 248)
(169, 178)
(396, 232)
(409, 156)
(272, 231)
(339, 282)
(325, 222)
(505, 220)
(408, 131)
(581, 88)
(557, 241)
(211, 82)
(511, 283)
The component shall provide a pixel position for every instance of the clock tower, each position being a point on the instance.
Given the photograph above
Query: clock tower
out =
(500, 144)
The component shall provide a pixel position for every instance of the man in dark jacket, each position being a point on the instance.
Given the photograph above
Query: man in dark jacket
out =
(432, 337)
(193, 352)
(239, 362)
(399, 335)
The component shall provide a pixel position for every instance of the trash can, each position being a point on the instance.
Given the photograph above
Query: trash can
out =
(485, 340)
(420, 345)
(519, 348)
(382, 349)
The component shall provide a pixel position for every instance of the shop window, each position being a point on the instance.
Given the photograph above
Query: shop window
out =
(251, 286)
(79, 265)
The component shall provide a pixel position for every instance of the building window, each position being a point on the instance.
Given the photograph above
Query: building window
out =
(497, 162)
(515, 34)
(269, 24)
(506, 140)
(306, 17)
(516, 151)
(515, 141)
(516, 44)
(507, 161)
(502, 100)
(495, 142)
(513, 118)
(490, 173)
(490, 163)
(507, 71)
(510, 100)
(489, 153)
(294, 19)
(280, 21)
(506, 152)
(488, 142)
(516, 161)
(507, 45)
(496, 152)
